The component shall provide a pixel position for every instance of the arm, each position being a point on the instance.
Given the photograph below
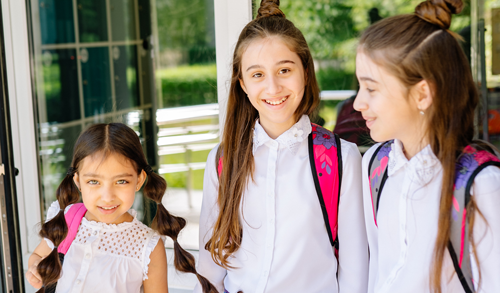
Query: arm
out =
(486, 193)
(158, 269)
(353, 244)
(209, 212)
(41, 251)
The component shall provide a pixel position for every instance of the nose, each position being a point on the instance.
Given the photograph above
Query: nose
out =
(360, 103)
(107, 194)
(273, 86)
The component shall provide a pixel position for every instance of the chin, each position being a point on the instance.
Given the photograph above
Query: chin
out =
(379, 137)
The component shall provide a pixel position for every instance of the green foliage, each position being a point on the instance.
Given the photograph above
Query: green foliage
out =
(188, 85)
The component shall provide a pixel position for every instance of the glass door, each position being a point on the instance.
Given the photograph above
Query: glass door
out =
(11, 268)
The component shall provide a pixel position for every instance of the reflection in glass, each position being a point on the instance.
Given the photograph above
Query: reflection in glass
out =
(122, 20)
(186, 76)
(125, 70)
(96, 80)
(56, 153)
(92, 21)
(60, 81)
(56, 21)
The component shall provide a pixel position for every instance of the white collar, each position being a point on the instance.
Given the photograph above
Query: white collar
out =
(290, 138)
(421, 167)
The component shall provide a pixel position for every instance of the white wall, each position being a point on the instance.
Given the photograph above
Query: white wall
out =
(231, 16)
(22, 120)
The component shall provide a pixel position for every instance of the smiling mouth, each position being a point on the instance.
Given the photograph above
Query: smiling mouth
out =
(109, 208)
(277, 102)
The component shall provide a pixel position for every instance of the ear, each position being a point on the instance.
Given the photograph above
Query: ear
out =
(422, 94)
(242, 84)
(140, 180)
(76, 179)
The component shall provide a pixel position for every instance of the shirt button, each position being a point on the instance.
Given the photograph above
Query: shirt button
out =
(78, 282)
(95, 232)
(87, 256)
(271, 221)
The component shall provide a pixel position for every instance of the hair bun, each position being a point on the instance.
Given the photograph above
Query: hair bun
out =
(439, 12)
(270, 8)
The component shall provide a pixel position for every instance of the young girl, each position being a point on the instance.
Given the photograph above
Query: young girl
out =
(417, 89)
(112, 250)
(262, 224)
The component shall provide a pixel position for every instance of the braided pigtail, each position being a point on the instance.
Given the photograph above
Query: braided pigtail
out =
(56, 230)
(170, 225)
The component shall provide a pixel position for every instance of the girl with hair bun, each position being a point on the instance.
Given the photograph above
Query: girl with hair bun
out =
(109, 249)
(276, 186)
(431, 192)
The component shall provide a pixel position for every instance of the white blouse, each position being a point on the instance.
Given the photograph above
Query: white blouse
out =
(401, 248)
(106, 257)
(285, 245)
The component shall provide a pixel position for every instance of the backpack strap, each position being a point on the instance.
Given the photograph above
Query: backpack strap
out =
(326, 166)
(73, 218)
(325, 157)
(469, 164)
(377, 174)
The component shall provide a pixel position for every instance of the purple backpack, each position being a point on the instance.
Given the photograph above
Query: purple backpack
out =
(326, 165)
(472, 160)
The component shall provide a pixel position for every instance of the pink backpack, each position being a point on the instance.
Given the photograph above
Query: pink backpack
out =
(473, 159)
(326, 165)
(73, 218)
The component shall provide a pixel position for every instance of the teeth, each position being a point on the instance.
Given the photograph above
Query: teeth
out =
(276, 102)
(110, 208)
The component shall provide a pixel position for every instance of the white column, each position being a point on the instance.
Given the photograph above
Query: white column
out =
(231, 16)
(20, 93)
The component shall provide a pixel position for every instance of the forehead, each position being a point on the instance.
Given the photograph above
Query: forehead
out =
(268, 52)
(106, 162)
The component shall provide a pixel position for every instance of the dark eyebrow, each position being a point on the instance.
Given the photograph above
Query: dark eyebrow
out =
(367, 79)
(278, 63)
(98, 176)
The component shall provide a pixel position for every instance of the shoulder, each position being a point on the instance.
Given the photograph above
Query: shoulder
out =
(369, 154)
(487, 181)
(350, 153)
(210, 166)
(151, 250)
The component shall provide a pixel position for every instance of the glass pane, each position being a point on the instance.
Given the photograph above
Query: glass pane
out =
(125, 69)
(96, 80)
(61, 85)
(56, 152)
(492, 38)
(92, 21)
(123, 20)
(56, 21)
(188, 119)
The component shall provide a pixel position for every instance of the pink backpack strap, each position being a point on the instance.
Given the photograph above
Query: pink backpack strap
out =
(326, 166)
(73, 218)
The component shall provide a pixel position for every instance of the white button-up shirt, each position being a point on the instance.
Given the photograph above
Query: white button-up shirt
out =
(285, 246)
(401, 248)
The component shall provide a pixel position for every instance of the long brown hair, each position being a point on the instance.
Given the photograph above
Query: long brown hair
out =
(113, 138)
(418, 47)
(240, 120)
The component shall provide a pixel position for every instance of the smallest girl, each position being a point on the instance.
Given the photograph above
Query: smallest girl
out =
(112, 250)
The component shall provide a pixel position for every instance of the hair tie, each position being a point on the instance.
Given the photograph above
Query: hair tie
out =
(148, 170)
(71, 171)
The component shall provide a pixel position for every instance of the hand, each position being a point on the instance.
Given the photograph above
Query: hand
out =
(33, 277)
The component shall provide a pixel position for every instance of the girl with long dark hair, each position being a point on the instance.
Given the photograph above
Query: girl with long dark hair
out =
(269, 216)
(431, 193)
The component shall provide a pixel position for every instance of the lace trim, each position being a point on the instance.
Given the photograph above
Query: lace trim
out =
(123, 225)
(152, 242)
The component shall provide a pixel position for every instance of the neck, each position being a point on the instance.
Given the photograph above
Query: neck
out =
(413, 145)
(274, 130)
